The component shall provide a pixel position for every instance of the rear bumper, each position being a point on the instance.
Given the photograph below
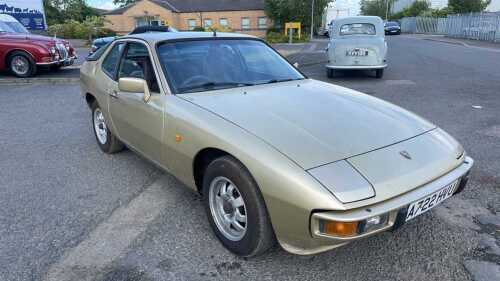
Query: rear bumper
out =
(395, 207)
(340, 67)
(65, 62)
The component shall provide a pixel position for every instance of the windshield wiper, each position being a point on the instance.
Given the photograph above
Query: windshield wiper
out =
(213, 85)
(272, 81)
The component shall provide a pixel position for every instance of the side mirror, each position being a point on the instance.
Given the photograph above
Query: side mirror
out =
(135, 85)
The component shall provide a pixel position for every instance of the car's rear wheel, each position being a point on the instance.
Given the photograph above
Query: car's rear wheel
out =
(330, 73)
(108, 142)
(235, 208)
(21, 64)
(379, 73)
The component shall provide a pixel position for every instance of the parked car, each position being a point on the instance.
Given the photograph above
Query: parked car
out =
(100, 42)
(22, 52)
(392, 27)
(357, 43)
(277, 156)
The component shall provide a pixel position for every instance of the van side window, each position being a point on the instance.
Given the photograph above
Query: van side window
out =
(137, 64)
(110, 63)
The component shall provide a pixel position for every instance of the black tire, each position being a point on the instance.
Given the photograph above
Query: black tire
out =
(379, 73)
(259, 235)
(112, 143)
(330, 73)
(25, 58)
(56, 67)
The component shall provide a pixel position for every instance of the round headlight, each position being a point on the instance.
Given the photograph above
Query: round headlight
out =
(52, 50)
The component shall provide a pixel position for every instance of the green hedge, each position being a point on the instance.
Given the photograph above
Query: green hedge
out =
(76, 30)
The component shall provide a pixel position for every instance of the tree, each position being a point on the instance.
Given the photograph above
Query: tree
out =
(59, 11)
(282, 11)
(418, 8)
(94, 26)
(468, 6)
(122, 3)
(376, 7)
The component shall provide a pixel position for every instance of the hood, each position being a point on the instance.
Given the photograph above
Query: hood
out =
(33, 37)
(312, 122)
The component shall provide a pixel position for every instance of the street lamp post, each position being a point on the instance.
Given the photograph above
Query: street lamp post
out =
(386, 10)
(312, 20)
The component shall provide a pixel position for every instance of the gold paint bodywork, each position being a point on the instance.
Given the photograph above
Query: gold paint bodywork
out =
(279, 132)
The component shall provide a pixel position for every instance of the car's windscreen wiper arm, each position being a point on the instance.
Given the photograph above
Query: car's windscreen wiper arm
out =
(212, 85)
(272, 81)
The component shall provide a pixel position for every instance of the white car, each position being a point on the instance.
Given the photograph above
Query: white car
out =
(357, 43)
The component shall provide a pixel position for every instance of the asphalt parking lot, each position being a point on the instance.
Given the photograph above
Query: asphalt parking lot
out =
(70, 212)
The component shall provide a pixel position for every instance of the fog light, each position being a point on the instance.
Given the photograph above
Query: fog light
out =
(376, 222)
(337, 228)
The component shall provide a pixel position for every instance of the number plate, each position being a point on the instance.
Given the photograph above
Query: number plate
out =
(425, 204)
(357, 52)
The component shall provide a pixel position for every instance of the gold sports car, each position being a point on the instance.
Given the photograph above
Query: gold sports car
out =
(276, 155)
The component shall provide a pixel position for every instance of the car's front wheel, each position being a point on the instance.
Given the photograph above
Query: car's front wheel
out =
(235, 208)
(21, 64)
(106, 140)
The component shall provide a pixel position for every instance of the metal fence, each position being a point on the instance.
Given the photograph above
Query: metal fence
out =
(424, 25)
(481, 26)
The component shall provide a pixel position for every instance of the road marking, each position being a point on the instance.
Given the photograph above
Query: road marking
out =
(400, 82)
(112, 237)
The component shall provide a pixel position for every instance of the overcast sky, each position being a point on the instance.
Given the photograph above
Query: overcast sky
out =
(102, 4)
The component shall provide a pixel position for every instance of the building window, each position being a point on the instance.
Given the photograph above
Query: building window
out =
(262, 23)
(245, 23)
(223, 22)
(207, 23)
(147, 20)
(191, 24)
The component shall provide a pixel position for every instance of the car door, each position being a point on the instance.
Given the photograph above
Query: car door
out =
(139, 123)
(106, 81)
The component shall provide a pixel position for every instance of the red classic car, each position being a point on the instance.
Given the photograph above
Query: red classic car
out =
(22, 52)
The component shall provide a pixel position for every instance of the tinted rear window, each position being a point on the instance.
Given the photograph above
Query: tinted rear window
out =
(357, 29)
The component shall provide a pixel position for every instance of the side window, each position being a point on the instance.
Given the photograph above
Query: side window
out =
(136, 63)
(110, 63)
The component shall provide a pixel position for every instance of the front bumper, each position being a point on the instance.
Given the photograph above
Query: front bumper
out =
(64, 62)
(396, 207)
(355, 67)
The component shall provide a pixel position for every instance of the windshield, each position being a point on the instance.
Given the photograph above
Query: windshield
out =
(357, 29)
(12, 26)
(391, 24)
(203, 65)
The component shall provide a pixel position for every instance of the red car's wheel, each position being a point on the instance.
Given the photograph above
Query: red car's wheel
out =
(21, 64)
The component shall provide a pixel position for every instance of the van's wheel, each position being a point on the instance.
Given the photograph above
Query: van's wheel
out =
(21, 64)
(379, 73)
(330, 73)
(108, 142)
(235, 208)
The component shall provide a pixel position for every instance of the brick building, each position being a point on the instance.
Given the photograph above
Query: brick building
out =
(244, 16)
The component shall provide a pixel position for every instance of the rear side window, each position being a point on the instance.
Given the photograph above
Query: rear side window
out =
(357, 29)
(110, 63)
